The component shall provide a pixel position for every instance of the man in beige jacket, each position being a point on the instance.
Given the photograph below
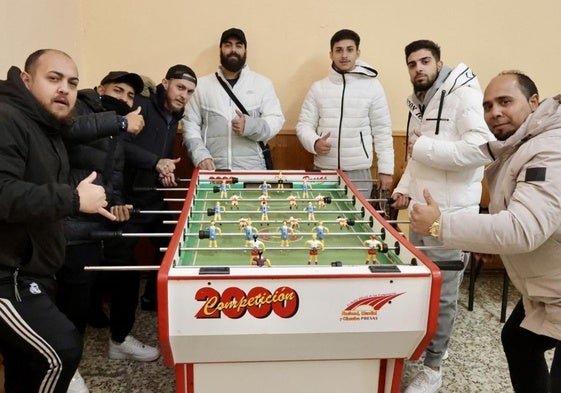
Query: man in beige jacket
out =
(523, 226)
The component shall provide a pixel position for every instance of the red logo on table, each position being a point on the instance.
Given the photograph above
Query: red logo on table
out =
(366, 308)
(259, 302)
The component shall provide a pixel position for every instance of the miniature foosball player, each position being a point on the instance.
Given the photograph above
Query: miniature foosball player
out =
(242, 223)
(235, 201)
(310, 209)
(257, 246)
(285, 232)
(294, 222)
(224, 187)
(213, 232)
(260, 260)
(265, 188)
(306, 187)
(281, 179)
(249, 231)
(320, 232)
(218, 209)
(343, 223)
(264, 209)
(373, 247)
(315, 246)
(292, 202)
(320, 201)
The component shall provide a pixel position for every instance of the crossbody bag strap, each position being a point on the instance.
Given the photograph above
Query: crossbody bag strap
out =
(231, 94)
(236, 101)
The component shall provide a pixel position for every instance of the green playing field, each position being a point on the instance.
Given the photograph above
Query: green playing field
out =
(344, 244)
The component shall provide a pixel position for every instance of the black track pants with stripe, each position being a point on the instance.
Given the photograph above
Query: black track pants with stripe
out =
(41, 347)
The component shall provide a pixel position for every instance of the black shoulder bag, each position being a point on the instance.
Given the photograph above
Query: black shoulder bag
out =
(264, 147)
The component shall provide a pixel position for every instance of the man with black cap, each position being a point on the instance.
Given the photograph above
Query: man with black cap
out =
(149, 164)
(217, 132)
(107, 108)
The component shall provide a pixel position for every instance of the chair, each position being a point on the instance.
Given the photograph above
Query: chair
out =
(476, 263)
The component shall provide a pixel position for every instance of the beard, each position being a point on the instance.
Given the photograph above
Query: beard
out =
(233, 62)
(66, 120)
(419, 87)
(504, 136)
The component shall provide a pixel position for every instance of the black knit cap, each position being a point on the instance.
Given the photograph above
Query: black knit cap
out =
(134, 80)
(233, 32)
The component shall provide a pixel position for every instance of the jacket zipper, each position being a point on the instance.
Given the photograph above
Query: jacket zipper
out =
(440, 106)
(341, 122)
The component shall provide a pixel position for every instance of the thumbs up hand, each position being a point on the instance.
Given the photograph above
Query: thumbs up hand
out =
(322, 146)
(92, 197)
(422, 216)
(238, 123)
(135, 121)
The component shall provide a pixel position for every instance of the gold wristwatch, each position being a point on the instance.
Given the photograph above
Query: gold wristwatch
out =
(434, 228)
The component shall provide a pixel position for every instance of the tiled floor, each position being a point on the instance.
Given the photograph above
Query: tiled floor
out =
(476, 363)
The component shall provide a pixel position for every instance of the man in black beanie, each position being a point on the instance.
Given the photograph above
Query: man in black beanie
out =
(150, 164)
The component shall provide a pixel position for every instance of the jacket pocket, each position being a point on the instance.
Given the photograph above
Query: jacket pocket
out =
(546, 290)
(363, 146)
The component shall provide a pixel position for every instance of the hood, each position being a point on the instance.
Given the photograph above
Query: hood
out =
(361, 69)
(91, 99)
(14, 92)
(440, 79)
(545, 118)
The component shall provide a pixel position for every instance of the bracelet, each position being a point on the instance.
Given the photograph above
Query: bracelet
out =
(434, 228)
(123, 123)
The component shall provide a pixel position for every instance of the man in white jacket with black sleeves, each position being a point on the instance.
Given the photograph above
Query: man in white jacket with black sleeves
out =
(344, 114)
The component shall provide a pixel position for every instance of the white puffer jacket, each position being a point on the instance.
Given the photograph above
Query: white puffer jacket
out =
(207, 126)
(446, 159)
(353, 108)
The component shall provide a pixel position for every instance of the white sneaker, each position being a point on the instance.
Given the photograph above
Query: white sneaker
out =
(426, 381)
(77, 384)
(132, 349)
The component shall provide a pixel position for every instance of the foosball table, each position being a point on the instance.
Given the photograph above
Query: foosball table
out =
(290, 282)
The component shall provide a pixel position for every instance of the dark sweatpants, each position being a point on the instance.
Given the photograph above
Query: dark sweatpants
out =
(75, 283)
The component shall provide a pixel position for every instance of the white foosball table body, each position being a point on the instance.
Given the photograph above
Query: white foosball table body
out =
(241, 329)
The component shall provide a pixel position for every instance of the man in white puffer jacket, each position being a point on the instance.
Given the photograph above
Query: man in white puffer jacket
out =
(344, 113)
(445, 128)
(215, 131)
